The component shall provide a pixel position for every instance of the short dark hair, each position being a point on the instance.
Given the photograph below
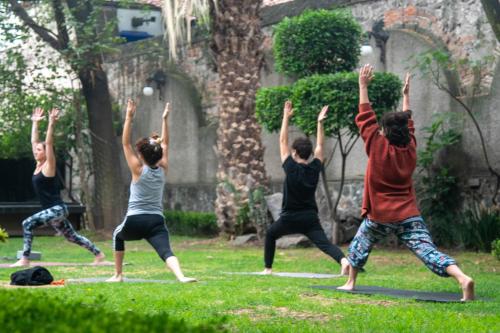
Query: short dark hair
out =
(150, 149)
(395, 125)
(303, 146)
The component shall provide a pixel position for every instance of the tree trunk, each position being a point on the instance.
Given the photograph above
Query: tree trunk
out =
(492, 10)
(237, 43)
(108, 195)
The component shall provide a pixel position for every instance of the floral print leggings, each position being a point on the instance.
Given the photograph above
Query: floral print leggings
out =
(56, 217)
(412, 232)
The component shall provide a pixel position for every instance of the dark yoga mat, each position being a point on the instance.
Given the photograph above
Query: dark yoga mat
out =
(398, 293)
(292, 275)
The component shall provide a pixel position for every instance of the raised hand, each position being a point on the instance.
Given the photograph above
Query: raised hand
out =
(322, 114)
(166, 111)
(406, 87)
(54, 115)
(37, 114)
(287, 110)
(365, 75)
(131, 107)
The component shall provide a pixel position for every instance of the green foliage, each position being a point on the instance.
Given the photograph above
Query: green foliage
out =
(269, 106)
(339, 91)
(495, 248)
(191, 223)
(480, 226)
(439, 193)
(3, 235)
(317, 42)
(22, 312)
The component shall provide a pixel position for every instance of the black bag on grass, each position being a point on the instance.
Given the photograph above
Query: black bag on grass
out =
(35, 276)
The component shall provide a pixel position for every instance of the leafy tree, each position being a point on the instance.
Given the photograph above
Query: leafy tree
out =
(81, 41)
(317, 42)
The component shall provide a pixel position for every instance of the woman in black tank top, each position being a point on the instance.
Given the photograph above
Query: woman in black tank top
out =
(54, 210)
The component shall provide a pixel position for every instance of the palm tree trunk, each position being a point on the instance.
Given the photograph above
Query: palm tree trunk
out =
(237, 44)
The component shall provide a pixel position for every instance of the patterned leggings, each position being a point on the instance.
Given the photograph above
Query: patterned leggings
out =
(412, 232)
(56, 217)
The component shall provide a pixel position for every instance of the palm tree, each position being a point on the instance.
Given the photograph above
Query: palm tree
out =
(236, 40)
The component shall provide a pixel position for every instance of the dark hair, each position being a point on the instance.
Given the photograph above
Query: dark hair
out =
(150, 149)
(303, 146)
(395, 125)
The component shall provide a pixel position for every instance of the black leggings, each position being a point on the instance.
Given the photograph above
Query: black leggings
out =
(306, 223)
(144, 226)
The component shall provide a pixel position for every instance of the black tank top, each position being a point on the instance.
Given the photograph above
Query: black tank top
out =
(47, 190)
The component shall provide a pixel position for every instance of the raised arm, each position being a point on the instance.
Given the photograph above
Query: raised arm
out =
(320, 136)
(287, 114)
(365, 76)
(49, 169)
(406, 93)
(36, 117)
(406, 106)
(165, 137)
(133, 162)
(366, 119)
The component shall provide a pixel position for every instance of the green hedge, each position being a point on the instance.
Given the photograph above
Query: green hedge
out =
(191, 223)
(23, 311)
(317, 42)
(340, 91)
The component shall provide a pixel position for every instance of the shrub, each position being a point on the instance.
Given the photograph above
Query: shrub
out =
(340, 92)
(439, 193)
(481, 226)
(269, 106)
(191, 223)
(317, 42)
(22, 311)
(495, 248)
(3, 235)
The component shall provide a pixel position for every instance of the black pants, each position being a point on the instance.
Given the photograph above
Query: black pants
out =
(306, 223)
(145, 226)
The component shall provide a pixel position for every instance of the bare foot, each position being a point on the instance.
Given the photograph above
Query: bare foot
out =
(467, 289)
(23, 262)
(187, 280)
(115, 278)
(345, 267)
(348, 286)
(99, 259)
(267, 271)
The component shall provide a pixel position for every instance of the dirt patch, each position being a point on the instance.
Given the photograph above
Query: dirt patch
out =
(267, 312)
(326, 301)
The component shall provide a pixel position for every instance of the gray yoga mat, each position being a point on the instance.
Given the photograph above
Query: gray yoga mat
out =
(398, 293)
(126, 280)
(292, 275)
(55, 264)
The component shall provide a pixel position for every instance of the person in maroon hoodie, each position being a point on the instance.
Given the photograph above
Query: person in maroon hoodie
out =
(389, 202)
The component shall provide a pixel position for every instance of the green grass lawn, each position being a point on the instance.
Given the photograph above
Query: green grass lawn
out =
(267, 303)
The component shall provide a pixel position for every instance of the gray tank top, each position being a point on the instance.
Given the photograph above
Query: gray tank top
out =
(147, 193)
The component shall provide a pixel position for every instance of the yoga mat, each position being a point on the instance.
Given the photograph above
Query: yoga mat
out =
(125, 280)
(53, 264)
(292, 275)
(399, 293)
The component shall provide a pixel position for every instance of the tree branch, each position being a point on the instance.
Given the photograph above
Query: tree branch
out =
(62, 30)
(42, 32)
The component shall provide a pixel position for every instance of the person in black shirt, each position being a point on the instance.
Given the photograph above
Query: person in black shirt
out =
(299, 212)
(54, 210)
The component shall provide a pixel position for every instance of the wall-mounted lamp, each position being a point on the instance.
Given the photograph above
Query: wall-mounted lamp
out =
(160, 78)
(366, 48)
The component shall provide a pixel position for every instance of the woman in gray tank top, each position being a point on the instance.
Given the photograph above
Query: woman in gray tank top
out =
(144, 219)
